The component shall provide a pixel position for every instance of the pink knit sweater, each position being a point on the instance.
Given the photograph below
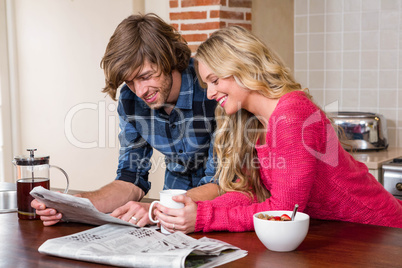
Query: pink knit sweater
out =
(303, 163)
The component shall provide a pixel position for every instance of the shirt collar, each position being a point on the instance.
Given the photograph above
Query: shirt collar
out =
(188, 78)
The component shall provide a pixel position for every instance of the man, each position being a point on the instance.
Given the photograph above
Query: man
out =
(161, 106)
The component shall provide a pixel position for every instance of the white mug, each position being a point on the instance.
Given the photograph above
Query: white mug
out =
(167, 201)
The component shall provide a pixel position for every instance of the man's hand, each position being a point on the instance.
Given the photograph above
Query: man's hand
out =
(134, 212)
(49, 216)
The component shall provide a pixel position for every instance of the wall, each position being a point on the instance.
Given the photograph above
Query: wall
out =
(63, 112)
(196, 20)
(161, 8)
(348, 52)
(6, 169)
(273, 24)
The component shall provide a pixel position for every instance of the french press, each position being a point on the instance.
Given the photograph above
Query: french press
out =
(32, 171)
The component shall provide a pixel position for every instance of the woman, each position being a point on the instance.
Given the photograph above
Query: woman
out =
(275, 148)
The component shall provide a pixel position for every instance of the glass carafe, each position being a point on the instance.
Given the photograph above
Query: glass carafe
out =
(32, 171)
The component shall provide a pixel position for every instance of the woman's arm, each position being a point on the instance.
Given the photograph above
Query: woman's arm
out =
(288, 165)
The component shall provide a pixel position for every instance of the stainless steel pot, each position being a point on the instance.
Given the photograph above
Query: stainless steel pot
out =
(8, 197)
(361, 130)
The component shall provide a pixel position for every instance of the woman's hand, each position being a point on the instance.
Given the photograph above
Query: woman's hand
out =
(133, 212)
(182, 219)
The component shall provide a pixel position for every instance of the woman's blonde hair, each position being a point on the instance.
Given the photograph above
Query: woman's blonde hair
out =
(234, 51)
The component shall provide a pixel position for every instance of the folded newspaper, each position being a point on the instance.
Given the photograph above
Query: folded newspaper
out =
(126, 246)
(120, 243)
(74, 209)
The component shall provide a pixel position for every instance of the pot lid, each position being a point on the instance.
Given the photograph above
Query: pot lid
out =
(347, 114)
(31, 160)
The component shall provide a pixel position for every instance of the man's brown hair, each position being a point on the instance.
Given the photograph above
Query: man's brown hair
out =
(139, 38)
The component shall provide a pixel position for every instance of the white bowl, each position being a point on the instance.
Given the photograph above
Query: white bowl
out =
(282, 235)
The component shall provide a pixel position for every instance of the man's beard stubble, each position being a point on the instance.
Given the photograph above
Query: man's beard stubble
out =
(164, 92)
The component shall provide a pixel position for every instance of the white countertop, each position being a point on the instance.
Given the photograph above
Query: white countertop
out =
(375, 159)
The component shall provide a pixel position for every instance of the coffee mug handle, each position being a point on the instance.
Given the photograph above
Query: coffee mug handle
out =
(150, 212)
(65, 174)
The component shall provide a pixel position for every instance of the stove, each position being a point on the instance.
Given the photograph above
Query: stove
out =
(392, 177)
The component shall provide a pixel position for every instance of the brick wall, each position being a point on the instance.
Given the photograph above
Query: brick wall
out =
(197, 19)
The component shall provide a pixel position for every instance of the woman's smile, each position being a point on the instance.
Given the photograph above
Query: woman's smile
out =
(222, 100)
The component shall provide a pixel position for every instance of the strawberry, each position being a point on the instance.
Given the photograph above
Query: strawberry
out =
(285, 217)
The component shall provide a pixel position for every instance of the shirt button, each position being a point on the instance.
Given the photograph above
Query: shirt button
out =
(181, 151)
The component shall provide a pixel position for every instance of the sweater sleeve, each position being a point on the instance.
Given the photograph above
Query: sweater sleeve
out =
(287, 166)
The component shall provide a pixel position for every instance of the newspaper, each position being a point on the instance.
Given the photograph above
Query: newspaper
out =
(125, 246)
(73, 208)
(119, 243)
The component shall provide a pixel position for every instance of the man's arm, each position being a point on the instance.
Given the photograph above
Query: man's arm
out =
(113, 195)
(207, 188)
(106, 199)
(204, 192)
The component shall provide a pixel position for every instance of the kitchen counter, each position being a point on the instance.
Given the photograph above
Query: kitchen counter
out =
(375, 159)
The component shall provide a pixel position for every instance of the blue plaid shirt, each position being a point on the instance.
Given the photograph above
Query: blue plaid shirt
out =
(184, 137)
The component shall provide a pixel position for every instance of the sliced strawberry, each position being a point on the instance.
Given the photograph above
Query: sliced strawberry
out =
(277, 218)
(285, 217)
